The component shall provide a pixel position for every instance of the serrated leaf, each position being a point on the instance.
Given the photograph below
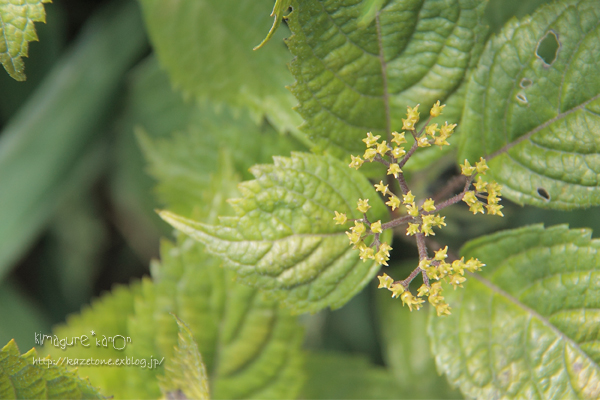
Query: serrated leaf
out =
(538, 122)
(527, 327)
(16, 31)
(206, 47)
(185, 373)
(27, 376)
(352, 79)
(283, 238)
(280, 7)
(342, 376)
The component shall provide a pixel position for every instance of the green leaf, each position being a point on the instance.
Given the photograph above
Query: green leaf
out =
(27, 376)
(352, 79)
(527, 327)
(52, 145)
(280, 7)
(537, 121)
(283, 238)
(16, 31)
(206, 47)
(341, 376)
(185, 373)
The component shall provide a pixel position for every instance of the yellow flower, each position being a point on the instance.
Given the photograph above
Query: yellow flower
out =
(458, 266)
(466, 168)
(358, 228)
(423, 141)
(385, 281)
(442, 309)
(410, 300)
(370, 154)
(447, 130)
(367, 253)
(441, 255)
(356, 162)
(394, 169)
(376, 227)
(441, 141)
(412, 229)
(382, 148)
(385, 248)
(340, 219)
(411, 209)
(494, 188)
(408, 124)
(429, 205)
(398, 152)
(354, 237)
(494, 209)
(380, 258)
(436, 110)
(426, 227)
(431, 130)
(444, 268)
(394, 202)
(457, 280)
(470, 198)
(398, 138)
(380, 187)
(474, 265)
(439, 221)
(408, 198)
(413, 113)
(480, 185)
(363, 205)
(397, 289)
(481, 166)
(476, 208)
(423, 290)
(371, 140)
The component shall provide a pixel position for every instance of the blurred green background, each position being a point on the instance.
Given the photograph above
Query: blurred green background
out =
(76, 203)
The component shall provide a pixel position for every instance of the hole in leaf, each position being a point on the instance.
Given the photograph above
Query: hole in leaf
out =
(525, 83)
(544, 194)
(522, 98)
(547, 48)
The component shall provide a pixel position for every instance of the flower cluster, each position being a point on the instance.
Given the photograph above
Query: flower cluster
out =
(419, 217)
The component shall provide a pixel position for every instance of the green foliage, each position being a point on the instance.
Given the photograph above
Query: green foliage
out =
(283, 238)
(22, 378)
(528, 326)
(281, 6)
(537, 122)
(16, 31)
(186, 373)
(206, 46)
(352, 79)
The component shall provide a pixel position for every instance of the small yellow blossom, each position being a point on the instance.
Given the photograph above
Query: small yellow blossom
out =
(394, 169)
(408, 124)
(408, 198)
(429, 205)
(397, 289)
(442, 309)
(431, 130)
(423, 141)
(412, 229)
(435, 289)
(367, 253)
(371, 140)
(441, 141)
(376, 227)
(385, 248)
(410, 300)
(358, 228)
(444, 268)
(436, 110)
(494, 209)
(413, 113)
(380, 187)
(433, 272)
(494, 188)
(466, 168)
(356, 162)
(481, 185)
(476, 208)
(439, 221)
(363, 205)
(398, 152)
(470, 198)
(474, 265)
(457, 280)
(423, 290)
(382, 148)
(385, 281)
(369, 154)
(424, 263)
(340, 218)
(458, 266)
(447, 130)
(426, 226)
(481, 166)
(381, 258)
(398, 138)
(412, 210)
(441, 254)
(394, 202)
(354, 237)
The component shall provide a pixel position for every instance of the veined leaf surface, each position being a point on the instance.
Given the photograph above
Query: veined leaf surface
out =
(16, 31)
(283, 238)
(351, 79)
(534, 113)
(527, 326)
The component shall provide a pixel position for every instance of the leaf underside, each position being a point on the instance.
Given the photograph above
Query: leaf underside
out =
(536, 116)
(527, 327)
(283, 238)
(352, 79)
(20, 378)
(16, 31)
